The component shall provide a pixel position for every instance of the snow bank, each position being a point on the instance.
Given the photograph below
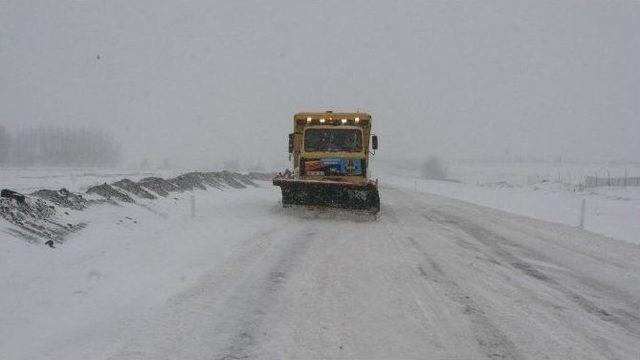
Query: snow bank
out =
(613, 212)
(39, 218)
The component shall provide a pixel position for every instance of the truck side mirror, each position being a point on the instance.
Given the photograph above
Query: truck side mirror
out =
(291, 138)
(374, 142)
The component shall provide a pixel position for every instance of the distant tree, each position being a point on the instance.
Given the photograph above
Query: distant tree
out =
(144, 164)
(231, 165)
(4, 146)
(257, 167)
(432, 169)
(166, 164)
(54, 146)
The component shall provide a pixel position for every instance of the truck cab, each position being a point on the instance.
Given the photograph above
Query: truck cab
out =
(332, 146)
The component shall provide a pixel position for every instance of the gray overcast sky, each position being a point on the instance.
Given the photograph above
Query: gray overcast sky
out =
(201, 82)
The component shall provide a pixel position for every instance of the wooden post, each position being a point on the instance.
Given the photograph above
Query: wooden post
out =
(582, 211)
(193, 206)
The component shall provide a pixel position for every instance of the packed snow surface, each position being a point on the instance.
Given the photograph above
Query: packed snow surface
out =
(431, 277)
(543, 191)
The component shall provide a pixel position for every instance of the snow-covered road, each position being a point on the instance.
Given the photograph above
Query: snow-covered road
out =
(431, 278)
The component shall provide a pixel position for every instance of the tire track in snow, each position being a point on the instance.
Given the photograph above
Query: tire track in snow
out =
(496, 243)
(217, 315)
(251, 327)
(493, 343)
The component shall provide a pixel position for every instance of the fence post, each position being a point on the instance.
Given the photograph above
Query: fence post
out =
(625, 177)
(582, 211)
(193, 206)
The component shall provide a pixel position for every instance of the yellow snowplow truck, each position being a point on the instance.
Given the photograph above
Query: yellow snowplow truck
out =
(330, 154)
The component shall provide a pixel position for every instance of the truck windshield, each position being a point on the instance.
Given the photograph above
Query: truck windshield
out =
(349, 140)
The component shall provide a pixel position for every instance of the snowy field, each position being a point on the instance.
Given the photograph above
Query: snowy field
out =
(549, 192)
(531, 173)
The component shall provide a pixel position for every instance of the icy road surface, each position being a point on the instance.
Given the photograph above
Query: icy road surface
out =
(432, 278)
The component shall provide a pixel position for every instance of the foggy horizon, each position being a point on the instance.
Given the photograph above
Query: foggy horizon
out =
(205, 83)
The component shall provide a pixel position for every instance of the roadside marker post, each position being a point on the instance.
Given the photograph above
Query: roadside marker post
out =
(582, 211)
(193, 206)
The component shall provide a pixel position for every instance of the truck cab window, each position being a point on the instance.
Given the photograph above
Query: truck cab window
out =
(322, 139)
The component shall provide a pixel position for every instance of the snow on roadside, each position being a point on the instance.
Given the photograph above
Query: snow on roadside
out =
(137, 250)
(38, 216)
(125, 264)
(611, 212)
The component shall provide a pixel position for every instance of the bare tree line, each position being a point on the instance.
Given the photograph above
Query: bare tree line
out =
(56, 146)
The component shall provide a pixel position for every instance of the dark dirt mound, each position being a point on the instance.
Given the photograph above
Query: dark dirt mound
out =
(189, 181)
(108, 192)
(134, 188)
(34, 219)
(10, 194)
(230, 179)
(62, 197)
(212, 179)
(245, 179)
(36, 208)
(160, 186)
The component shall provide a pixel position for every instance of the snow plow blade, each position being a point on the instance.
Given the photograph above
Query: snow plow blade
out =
(331, 194)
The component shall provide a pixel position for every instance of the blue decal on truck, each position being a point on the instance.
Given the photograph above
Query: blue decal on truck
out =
(335, 167)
